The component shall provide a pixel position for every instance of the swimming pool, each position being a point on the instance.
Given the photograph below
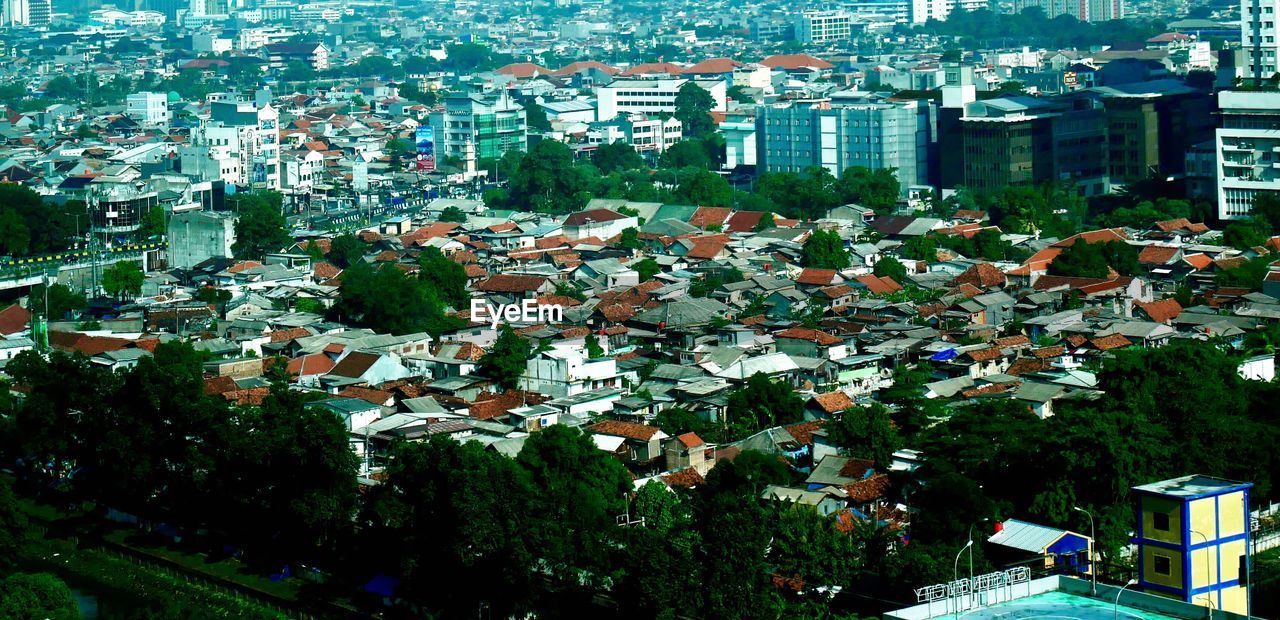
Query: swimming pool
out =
(1057, 606)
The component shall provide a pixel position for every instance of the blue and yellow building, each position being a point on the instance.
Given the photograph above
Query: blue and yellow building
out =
(1192, 535)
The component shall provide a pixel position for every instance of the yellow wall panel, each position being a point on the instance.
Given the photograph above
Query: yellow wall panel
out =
(1204, 567)
(1231, 553)
(1234, 600)
(1231, 514)
(1204, 516)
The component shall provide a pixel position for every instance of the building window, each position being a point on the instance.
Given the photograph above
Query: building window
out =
(1163, 565)
(1160, 521)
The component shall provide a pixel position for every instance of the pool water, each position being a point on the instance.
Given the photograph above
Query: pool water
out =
(1058, 606)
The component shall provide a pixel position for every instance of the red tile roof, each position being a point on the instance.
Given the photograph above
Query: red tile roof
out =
(690, 440)
(285, 335)
(311, 364)
(809, 335)
(355, 364)
(816, 277)
(1157, 254)
(795, 61)
(369, 395)
(714, 65)
(744, 221)
(647, 68)
(575, 67)
(523, 70)
(833, 402)
(13, 319)
(981, 275)
(1161, 311)
(709, 216)
(879, 285)
(1114, 341)
(592, 216)
(629, 430)
(508, 283)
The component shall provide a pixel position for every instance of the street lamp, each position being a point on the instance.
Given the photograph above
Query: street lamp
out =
(970, 547)
(1093, 565)
(1208, 577)
(1116, 608)
(955, 571)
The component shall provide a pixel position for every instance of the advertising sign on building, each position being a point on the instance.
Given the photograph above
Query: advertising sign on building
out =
(425, 138)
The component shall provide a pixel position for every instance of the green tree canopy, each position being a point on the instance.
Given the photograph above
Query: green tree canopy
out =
(892, 268)
(123, 280)
(824, 249)
(505, 360)
(693, 109)
(387, 300)
(40, 596)
(260, 225)
(447, 278)
(616, 156)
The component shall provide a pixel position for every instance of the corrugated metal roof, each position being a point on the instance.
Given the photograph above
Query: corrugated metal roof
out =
(1026, 536)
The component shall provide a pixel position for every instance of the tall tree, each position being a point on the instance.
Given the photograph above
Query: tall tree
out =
(505, 360)
(763, 403)
(260, 225)
(387, 300)
(892, 268)
(449, 279)
(876, 189)
(824, 249)
(867, 432)
(616, 157)
(40, 596)
(693, 109)
(123, 280)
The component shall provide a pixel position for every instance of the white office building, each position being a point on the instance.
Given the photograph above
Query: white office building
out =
(1258, 37)
(644, 134)
(239, 144)
(148, 109)
(1248, 150)
(656, 96)
(824, 26)
(15, 13)
(925, 10)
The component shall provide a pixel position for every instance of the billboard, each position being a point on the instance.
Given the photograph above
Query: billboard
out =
(425, 139)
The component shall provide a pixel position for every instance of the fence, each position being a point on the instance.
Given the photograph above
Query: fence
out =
(1265, 525)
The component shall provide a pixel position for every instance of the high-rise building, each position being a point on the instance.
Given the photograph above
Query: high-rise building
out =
(990, 144)
(15, 13)
(823, 26)
(1248, 150)
(1151, 125)
(1083, 10)
(477, 126)
(836, 134)
(1193, 541)
(1258, 37)
(39, 12)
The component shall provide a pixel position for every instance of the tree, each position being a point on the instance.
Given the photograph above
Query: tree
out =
(807, 546)
(13, 527)
(397, 148)
(504, 362)
(298, 498)
(678, 421)
(386, 300)
(536, 117)
(616, 156)
(123, 280)
(693, 109)
(867, 432)
(630, 239)
(453, 214)
(647, 268)
(704, 188)
(660, 567)
(684, 154)
(15, 237)
(737, 584)
(876, 189)
(1246, 234)
(763, 403)
(594, 350)
(442, 520)
(61, 300)
(1096, 260)
(748, 476)
(447, 278)
(892, 268)
(39, 596)
(824, 249)
(579, 490)
(548, 181)
(260, 225)
(923, 247)
(345, 250)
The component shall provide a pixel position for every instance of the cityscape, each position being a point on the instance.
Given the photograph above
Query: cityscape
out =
(560, 309)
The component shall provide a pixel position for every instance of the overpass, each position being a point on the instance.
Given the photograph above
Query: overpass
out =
(70, 267)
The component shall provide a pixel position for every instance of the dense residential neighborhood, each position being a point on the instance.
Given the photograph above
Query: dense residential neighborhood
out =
(581, 309)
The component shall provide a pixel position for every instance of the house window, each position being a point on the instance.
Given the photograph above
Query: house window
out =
(1160, 521)
(1163, 566)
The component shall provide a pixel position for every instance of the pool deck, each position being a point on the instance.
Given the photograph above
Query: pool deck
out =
(1060, 606)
